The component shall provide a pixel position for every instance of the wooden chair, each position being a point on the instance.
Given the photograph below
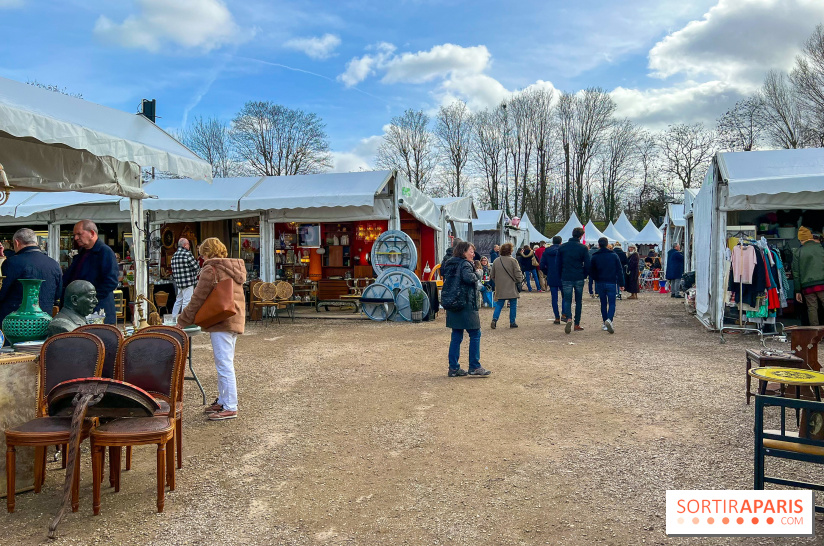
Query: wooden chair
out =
(119, 306)
(72, 355)
(153, 363)
(282, 300)
(161, 300)
(112, 339)
(181, 336)
(266, 293)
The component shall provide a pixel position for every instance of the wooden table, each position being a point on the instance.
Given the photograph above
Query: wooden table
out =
(192, 331)
(785, 361)
(19, 385)
(804, 341)
(789, 376)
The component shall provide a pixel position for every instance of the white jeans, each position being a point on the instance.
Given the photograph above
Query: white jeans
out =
(183, 298)
(223, 347)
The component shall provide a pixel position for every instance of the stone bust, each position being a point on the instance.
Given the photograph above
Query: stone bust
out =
(81, 299)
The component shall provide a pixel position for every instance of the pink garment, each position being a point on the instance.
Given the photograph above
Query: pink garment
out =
(743, 263)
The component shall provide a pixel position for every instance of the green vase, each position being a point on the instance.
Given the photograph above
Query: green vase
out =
(29, 322)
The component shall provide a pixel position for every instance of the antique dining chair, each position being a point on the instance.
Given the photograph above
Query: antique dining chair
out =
(119, 306)
(181, 336)
(112, 338)
(266, 293)
(71, 355)
(161, 300)
(152, 362)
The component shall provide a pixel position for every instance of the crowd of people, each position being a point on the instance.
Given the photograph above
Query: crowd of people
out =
(561, 269)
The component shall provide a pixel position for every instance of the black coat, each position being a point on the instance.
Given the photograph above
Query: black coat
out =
(525, 260)
(606, 267)
(621, 255)
(30, 263)
(549, 265)
(675, 264)
(493, 256)
(633, 263)
(573, 261)
(97, 265)
(467, 318)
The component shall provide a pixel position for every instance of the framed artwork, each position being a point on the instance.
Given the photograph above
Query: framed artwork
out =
(167, 238)
(249, 242)
(288, 239)
(128, 242)
(309, 235)
(43, 240)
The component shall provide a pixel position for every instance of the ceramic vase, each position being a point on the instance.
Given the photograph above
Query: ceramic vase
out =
(29, 322)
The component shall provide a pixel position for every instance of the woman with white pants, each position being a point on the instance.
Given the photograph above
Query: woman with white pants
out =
(216, 268)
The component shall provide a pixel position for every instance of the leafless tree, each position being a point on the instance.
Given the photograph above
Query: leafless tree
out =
(209, 138)
(489, 152)
(782, 115)
(453, 130)
(565, 114)
(408, 147)
(739, 129)
(542, 120)
(519, 147)
(648, 154)
(808, 80)
(617, 165)
(687, 151)
(277, 141)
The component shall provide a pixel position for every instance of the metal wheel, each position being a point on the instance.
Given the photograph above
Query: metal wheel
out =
(403, 307)
(383, 305)
(398, 279)
(393, 249)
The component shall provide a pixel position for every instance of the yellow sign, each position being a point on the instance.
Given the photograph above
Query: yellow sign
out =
(789, 376)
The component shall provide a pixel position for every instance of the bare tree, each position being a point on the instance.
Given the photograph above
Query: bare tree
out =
(277, 141)
(808, 80)
(648, 155)
(592, 111)
(617, 165)
(782, 116)
(408, 147)
(55, 88)
(453, 130)
(739, 129)
(542, 131)
(565, 113)
(489, 152)
(687, 151)
(209, 138)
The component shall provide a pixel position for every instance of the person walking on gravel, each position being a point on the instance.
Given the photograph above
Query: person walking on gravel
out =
(550, 268)
(573, 268)
(460, 299)
(507, 274)
(608, 275)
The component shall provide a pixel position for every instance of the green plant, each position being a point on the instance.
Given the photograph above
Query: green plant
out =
(416, 296)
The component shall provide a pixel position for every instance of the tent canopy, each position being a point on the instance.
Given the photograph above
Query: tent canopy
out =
(572, 223)
(53, 142)
(458, 209)
(612, 233)
(532, 234)
(592, 234)
(675, 214)
(650, 235)
(223, 194)
(488, 220)
(625, 227)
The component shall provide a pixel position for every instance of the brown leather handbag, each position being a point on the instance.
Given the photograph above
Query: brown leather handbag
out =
(219, 305)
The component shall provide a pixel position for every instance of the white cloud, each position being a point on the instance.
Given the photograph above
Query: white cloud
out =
(439, 61)
(191, 24)
(357, 70)
(317, 47)
(361, 157)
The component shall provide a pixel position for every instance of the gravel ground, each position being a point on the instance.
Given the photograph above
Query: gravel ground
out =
(351, 433)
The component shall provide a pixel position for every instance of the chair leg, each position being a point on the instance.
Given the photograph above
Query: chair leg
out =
(128, 457)
(39, 460)
(114, 468)
(179, 441)
(170, 465)
(10, 477)
(64, 452)
(97, 477)
(76, 482)
(161, 476)
(111, 464)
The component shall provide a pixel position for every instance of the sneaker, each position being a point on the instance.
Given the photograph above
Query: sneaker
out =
(513, 325)
(480, 371)
(608, 326)
(460, 372)
(556, 321)
(604, 328)
(223, 415)
(494, 324)
(540, 290)
(214, 408)
(579, 328)
(568, 327)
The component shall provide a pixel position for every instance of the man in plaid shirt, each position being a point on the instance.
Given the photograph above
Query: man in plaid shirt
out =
(184, 272)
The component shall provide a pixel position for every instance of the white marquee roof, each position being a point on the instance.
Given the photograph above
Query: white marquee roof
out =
(625, 227)
(650, 235)
(612, 233)
(572, 223)
(592, 234)
(533, 235)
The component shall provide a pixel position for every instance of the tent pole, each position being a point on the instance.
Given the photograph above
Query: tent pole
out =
(141, 269)
(267, 248)
(54, 238)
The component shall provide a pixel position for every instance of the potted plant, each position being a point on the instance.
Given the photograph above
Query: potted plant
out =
(416, 296)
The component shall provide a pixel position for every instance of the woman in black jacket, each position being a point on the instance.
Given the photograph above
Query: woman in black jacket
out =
(525, 256)
(460, 283)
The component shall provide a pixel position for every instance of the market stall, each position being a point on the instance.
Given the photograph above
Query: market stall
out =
(488, 230)
(457, 217)
(532, 235)
(592, 234)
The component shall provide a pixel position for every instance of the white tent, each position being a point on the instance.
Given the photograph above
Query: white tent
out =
(625, 227)
(572, 223)
(675, 223)
(456, 216)
(489, 220)
(488, 230)
(689, 254)
(532, 234)
(739, 181)
(650, 235)
(592, 234)
(612, 233)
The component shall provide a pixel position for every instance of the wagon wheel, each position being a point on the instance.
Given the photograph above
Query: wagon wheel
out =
(284, 290)
(398, 279)
(394, 249)
(378, 301)
(404, 310)
(267, 291)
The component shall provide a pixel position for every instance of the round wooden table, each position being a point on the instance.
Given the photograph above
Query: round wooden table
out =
(789, 376)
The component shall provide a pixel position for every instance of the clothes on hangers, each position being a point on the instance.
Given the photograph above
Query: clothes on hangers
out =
(743, 263)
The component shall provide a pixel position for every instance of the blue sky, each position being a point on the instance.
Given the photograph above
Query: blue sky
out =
(358, 63)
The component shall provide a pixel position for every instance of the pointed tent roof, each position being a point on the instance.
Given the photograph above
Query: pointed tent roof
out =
(533, 235)
(572, 223)
(650, 235)
(625, 227)
(592, 233)
(612, 233)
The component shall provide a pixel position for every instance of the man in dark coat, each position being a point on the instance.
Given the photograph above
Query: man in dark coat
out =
(95, 263)
(621, 256)
(29, 262)
(549, 266)
(675, 269)
(496, 251)
(573, 267)
(608, 275)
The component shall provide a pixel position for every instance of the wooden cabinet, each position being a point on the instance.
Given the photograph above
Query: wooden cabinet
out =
(364, 272)
(330, 290)
(335, 256)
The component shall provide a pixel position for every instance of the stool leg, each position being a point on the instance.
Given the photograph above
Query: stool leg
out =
(10, 477)
(64, 452)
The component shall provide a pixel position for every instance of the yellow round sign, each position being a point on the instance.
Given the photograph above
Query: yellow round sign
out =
(789, 376)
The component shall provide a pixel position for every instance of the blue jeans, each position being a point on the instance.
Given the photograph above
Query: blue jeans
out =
(555, 290)
(513, 309)
(474, 349)
(532, 273)
(590, 286)
(568, 287)
(607, 292)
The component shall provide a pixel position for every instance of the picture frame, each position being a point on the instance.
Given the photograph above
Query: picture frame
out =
(248, 242)
(309, 236)
(128, 242)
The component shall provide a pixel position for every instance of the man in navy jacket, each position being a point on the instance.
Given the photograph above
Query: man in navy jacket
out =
(549, 267)
(608, 275)
(95, 263)
(29, 262)
(573, 267)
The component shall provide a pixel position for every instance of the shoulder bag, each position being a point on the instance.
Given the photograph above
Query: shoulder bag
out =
(519, 286)
(219, 305)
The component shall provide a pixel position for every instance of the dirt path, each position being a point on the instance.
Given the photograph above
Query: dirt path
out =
(351, 433)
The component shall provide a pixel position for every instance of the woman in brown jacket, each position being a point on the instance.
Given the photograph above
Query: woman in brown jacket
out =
(506, 273)
(218, 267)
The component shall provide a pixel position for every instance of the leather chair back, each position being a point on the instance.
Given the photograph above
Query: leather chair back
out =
(112, 338)
(179, 335)
(71, 355)
(152, 362)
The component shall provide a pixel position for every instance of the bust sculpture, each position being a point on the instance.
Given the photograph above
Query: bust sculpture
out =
(81, 299)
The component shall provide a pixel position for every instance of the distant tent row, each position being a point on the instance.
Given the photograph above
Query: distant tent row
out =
(622, 231)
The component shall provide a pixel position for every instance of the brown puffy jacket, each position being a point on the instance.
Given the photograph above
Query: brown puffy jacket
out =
(215, 270)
